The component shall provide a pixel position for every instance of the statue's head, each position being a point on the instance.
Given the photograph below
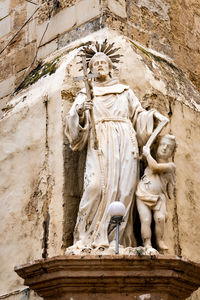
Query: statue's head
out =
(166, 146)
(101, 64)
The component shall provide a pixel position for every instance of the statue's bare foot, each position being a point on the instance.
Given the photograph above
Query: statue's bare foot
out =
(147, 244)
(161, 245)
(86, 250)
(101, 248)
(151, 251)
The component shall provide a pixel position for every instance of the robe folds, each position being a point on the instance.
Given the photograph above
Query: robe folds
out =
(111, 172)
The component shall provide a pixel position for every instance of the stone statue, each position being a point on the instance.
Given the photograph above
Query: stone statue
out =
(111, 172)
(154, 189)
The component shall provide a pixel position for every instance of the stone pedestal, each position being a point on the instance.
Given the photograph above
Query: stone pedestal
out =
(111, 277)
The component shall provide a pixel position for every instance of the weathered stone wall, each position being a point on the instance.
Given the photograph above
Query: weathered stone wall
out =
(17, 59)
(31, 180)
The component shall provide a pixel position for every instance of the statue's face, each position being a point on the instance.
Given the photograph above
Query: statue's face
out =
(101, 66)
(165, 148)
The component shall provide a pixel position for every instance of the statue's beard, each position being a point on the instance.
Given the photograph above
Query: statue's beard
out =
(102, 76)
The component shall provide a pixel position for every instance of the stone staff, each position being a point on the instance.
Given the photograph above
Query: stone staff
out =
(89, 91)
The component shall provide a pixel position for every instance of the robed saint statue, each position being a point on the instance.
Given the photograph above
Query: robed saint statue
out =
(111, 170)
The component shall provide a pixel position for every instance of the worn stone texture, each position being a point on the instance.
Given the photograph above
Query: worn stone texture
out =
(31, 177)
(66, 18)
(187, 190)
(171, 27)
(22, 190)
(46, 8)
(4, 26)
(47, 49)
(118, 7)
(7, 86)
(4, 8)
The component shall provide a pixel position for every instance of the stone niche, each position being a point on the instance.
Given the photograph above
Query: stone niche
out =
(42, 178)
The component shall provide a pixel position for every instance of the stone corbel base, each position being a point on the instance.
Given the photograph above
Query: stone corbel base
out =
(111, 277)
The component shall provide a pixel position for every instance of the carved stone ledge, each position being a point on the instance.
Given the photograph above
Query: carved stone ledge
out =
(111, 277)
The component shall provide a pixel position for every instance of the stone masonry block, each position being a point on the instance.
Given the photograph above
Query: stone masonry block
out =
(86, 10)
(18, 18)
(4, 8)
(30, 8)
(31, 31)
(24, 57)
(4, 26)
(6, 86)
(118, 7)
(47, 49)
(6, 67)
(66, 20)
(15, 3)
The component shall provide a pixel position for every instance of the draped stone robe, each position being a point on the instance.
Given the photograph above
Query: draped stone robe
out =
(111, 173)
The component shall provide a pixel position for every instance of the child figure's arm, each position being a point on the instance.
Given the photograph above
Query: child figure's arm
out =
(154, 165)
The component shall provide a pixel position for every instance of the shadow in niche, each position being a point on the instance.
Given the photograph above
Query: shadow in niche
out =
(137, 230)
(74, 164)
(136, 218)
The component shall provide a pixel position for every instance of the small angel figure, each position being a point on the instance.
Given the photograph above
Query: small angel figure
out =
(154, 188)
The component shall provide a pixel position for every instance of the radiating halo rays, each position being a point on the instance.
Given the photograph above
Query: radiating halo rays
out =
(108, 49)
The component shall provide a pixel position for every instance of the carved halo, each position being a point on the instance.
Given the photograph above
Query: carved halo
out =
(108, 49)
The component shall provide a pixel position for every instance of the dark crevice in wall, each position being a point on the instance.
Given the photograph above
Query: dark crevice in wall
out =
(177, 247)
(74, 163)
(175, 221)
(47, 196)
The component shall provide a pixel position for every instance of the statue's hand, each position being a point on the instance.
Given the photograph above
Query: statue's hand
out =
(146, 151)
(80, 108)
(88, 105)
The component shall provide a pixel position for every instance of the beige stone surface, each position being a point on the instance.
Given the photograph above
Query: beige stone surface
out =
(30, 33)
(187, 188)
(45, 7)
(24, 57)
(22, 179)
(6, 64)
(30, 8)
(56, 164)
(6, 86)
(156, 6)
(4, 8)
(47, 49)
(86, 10)
(18, 17)
(66, 19)
(4, 26)
(35, 139)
(118, 7)
(16, 3)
